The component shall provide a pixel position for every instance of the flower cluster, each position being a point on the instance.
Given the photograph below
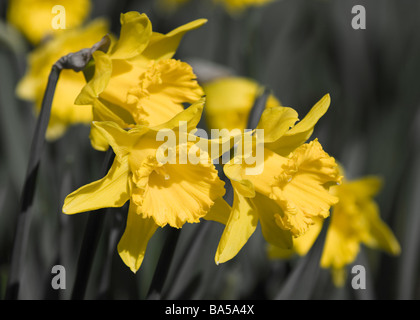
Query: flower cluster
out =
(136, 90)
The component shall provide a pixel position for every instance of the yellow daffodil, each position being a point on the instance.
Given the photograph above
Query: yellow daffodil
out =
(137, 81)
(170, 6)
(233, 7)
(301, 245)
(159, 194)
(229, 102)
(35, 18)
(238, 6)
(292, 191)
(32, 86)
(355, 220)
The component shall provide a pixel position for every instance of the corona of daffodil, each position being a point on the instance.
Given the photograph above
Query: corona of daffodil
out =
(32, 86)
(160, 194)
(229, 102)
(34, 18)
(137, 81)
(292, 191)
(355, 220)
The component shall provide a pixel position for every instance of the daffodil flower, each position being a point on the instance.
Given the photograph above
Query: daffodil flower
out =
(292, 191)
(236, 7)
(233, 7)
(137, 81)
(355, 220)
(34, 18)
(229, 101)
(160, 194)
(31, 87)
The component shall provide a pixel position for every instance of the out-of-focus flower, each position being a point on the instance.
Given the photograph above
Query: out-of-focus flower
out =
(355, 220)
(159, 194)
(34, 18)
(233, 7)
(290, 193)
(229, 102)
(32, 86)
(170, 6)
(238, 6)
(137, 81)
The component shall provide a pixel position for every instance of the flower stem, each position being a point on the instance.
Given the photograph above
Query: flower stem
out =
(75, 61)
(27, 196)
(257, 109)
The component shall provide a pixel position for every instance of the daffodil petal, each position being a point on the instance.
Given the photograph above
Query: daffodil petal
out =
(191, 116)
(230, 100)
(136, 30)
(111, 191)
(276, 122)
(267, 210)
(379, 234)
(234, 173)
(302, 131)
(133, 243)
(366, 187)
(241, 225)
(97, 139)
(219, 212)
(35, 19)
(100, 80)
(302, 244)
(339, 249)
(163, 46)
(120, 140)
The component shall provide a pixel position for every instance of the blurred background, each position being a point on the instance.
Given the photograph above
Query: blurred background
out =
(299, 49)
